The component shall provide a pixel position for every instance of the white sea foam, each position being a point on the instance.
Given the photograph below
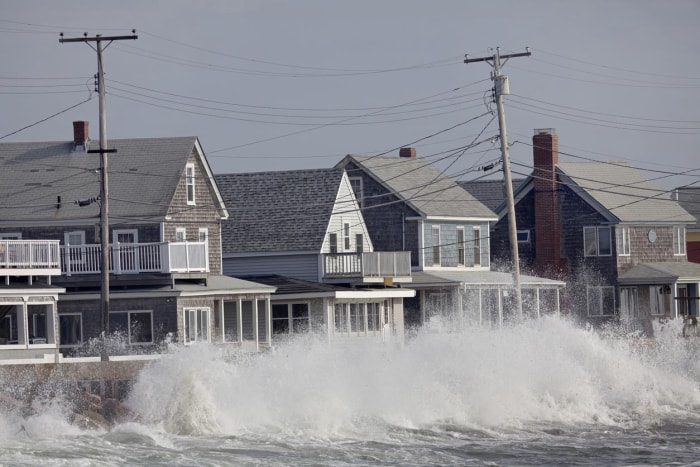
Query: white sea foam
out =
(543, 371)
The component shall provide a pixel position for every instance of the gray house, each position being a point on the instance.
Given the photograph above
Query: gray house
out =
(689, 199)
(409, 204)
(302, 231)
(165, 252)
(617, 239)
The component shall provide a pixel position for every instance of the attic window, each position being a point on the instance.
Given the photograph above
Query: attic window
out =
(189, 182)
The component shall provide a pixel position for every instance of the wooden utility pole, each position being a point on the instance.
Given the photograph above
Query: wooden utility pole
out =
(500, 89)
(104, 188)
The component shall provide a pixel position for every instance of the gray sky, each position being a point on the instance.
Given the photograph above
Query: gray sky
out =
(274, 85)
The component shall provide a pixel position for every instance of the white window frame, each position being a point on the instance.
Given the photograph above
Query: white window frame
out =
(359, 196)
(476, 244)
(359, 242)
(598, 293)
(461, 247)
(203, 234)
(342, 322)
(333, 243)
(189, 183)
(178, 231)
(623, 240)
(80, 316)
(192, 316)
(596, 232)
(79, 254)
(679, 240)
(128, 324)
(290, 318)
(436, 250)
(525, 233)
(346, 236)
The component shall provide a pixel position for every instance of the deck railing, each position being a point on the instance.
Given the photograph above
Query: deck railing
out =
(134, 258)
(368, 264)
(39, 256)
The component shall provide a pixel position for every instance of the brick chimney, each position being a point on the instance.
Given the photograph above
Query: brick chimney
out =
(80, 134)
(409, 153)
(545, 148)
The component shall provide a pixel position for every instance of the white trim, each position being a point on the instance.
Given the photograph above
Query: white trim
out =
(221, 206)
(182, 230)
(432, 246)
(475, 229)
(128, 324)
(190, 181)
(457, 219)
(461, 246)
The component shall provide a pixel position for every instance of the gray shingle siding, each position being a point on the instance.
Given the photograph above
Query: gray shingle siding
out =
(448, 243)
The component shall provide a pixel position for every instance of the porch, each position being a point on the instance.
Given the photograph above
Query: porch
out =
(30, 258)
(372, 267)
(134, 258)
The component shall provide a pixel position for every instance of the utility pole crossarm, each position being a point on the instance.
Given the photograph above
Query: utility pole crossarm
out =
(97, 38)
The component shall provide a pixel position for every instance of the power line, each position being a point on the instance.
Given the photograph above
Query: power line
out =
(47, 118)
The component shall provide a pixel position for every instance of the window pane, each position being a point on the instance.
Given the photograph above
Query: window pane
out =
(477, 247)
(341, 323)
(436, 246)
(300, 317)
(231, 321)
(141, 332)
(460, 247)
(589, 241)
(247, 310)
(280, 319)
(333, 240)
(604, 241)
(357, 317)
(119, 323)
(70, 328)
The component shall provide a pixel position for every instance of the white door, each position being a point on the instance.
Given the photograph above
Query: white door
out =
(127, 255)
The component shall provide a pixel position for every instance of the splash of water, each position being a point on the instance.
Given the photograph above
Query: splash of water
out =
(542, 371)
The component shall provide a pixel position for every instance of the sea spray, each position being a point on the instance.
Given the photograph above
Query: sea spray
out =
(537, 372)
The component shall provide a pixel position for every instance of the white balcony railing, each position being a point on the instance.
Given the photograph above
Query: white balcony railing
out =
(375, 264)
(32, 257)
(134, 258)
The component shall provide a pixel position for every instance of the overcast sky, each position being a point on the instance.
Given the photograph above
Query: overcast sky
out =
(274, 85)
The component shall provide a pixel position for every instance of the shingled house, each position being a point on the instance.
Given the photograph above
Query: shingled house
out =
(617, 239)
(165, 216)
(689, 199)
(409, 204)
(302, 232)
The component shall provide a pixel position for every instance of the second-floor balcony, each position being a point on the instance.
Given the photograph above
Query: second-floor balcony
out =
(30, 258)
(370, 266)
(134, 258)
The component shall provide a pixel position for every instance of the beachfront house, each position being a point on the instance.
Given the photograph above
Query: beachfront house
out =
(302, 232)
(165, 214)
(616, 238)
(689, 199)
(408, 204)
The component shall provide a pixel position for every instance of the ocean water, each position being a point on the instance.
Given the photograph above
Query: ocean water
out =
(543, 392)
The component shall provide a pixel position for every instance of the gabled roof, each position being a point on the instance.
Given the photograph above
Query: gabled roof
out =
(489, 192)
(618, 191)
(622, 191)
(143, 177)
(278, 211)
(422, 186)
(689, 199)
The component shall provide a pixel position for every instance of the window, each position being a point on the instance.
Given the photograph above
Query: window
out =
(135, 326)
(523, 236)
(180, 234)
(290, 318)
(356, 184)
(203, 234)
(11, 236)
(435, 239)
(333, 241)
(678, 240)
(41, 323)
(196, 325)
(359, 243)
(358, 319)
(477, 246)
(596, 241)
(346, 236)
(623, 241)
(247, 320)
(601, 300)
(71, 329)
(460, 246)
(660, 299)
(230, 321)
(189, 182)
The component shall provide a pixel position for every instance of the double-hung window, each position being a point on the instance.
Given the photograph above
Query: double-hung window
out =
(356, 184)
(678, 240)
(596, 241)
(196, 325)
(460, 246)
(623, 240)
(189, 182)
(435, 235)
(476, 243)
(346, 236)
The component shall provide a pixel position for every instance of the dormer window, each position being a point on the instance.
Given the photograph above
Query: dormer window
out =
(189, 182)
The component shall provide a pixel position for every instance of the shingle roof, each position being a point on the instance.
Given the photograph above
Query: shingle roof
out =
(143, 175)
(422, 186)
(277, 211)
(623, 191)
(662, 272)
(689, 199)
(489, 192)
